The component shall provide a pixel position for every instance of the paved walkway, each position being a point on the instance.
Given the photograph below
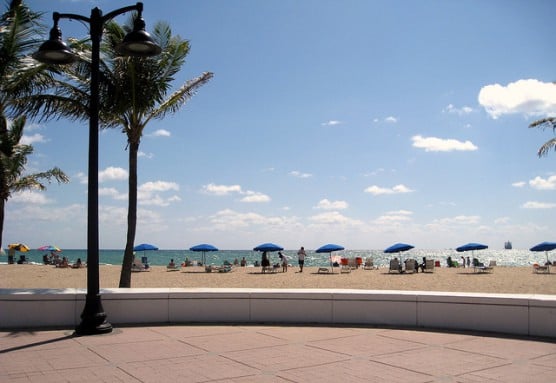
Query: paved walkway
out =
(242, 354)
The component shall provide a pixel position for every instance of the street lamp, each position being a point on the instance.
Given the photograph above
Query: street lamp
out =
(55, 51)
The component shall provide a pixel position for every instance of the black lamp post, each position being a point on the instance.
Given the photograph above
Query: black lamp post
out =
(54, 51)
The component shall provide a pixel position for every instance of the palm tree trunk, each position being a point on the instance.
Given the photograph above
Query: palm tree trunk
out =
(2, 205)
(125, 275)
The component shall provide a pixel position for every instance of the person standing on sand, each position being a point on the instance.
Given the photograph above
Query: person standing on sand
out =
(301, 258)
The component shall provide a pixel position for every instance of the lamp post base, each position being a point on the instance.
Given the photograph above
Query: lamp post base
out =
(93, 318)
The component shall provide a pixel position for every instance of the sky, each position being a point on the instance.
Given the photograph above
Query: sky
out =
(361, 123)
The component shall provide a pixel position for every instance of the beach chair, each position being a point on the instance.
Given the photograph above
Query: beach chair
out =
(410, 265)
(137, 267)
(429, 266)
(538, 269)
(345, 269)
(369, 264)
(394, 266)
(479, 267)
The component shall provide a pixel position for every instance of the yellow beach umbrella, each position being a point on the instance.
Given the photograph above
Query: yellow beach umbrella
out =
(19, 247)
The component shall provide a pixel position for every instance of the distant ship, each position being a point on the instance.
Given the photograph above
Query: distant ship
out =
(507, 245)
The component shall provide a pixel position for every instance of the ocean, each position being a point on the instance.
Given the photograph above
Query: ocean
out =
(514, 257)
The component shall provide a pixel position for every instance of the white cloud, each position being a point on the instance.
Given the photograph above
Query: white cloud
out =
(326, 204)
(540, 183)
(30, 197)
(221, 189)
(30, 140)
(529, 97)
(502, 220)
(158, 186)
(299, 174)
(333, 217)
(391, 119)
(160, 133)
(232, 220)
(462, 220)
(332, 123)
(82, 177)
(459, 111)
(148, 193)
(156, 200)
(393, 217)
(388, 120)
(145, 155)
(435, 144)
(519, 184)
(377, 190)
(112, 173)
(538, 205)
(251, 196)
(111, 192)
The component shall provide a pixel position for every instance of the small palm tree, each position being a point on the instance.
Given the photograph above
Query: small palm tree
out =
(13, 158)
(546, 123)
(19, 29)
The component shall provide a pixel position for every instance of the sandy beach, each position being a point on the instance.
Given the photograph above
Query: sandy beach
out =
(517, 280)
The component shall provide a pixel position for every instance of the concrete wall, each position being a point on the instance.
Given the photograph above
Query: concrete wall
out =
(533, 315)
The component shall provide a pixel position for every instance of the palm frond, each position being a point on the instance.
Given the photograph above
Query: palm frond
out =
(546, 147)
(549, 122)
(173, 103)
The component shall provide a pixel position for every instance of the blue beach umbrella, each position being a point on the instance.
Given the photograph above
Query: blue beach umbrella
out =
(544, 246)
(203, 248)
(144, 247)
(471, 247)
(398, 248)
(268, 247)
(329, 248)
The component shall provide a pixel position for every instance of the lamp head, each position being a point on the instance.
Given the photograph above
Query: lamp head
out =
(54, 50)
(138, 42)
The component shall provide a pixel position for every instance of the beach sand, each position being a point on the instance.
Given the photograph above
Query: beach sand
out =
(515, 280)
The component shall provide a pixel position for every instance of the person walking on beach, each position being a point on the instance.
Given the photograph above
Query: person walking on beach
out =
(301, 258)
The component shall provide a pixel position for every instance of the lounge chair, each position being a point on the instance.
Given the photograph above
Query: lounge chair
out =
(220, 269)
(394, 266)
(369, 264)
(479, 267)
(539, 269)
(410, 266)
(323, 270)
(429, 266)
(138, 266)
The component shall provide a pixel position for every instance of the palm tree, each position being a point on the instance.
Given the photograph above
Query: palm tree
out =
(546, 123)
(136, 92)
(19, 28)
(13, 158)
(133, 91)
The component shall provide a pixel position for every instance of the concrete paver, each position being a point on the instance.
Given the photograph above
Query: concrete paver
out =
(245, 354)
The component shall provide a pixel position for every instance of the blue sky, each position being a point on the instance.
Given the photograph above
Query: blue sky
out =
(362, 123)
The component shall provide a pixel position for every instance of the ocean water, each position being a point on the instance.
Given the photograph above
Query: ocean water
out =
(514, 257)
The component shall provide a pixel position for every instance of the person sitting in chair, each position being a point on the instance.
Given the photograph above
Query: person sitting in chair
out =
(265, 262)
